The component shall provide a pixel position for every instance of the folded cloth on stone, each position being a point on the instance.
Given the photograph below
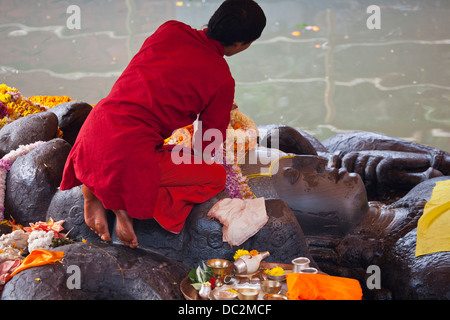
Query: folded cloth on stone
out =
(241, 218)
(433, 226)
(303, 286)
(6, 268)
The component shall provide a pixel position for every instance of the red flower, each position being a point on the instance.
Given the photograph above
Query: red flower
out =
(3, 110)
(212, 280)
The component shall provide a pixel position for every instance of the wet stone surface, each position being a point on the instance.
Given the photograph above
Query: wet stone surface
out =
(33, 180)
(385, 237)
(100, 271)
(35, 127)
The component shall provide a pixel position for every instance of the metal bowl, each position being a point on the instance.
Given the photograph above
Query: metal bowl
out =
(225, 295)
(218, 264)
(247, 294)
(280, 278)
(275, 296)
(221, 267)
(277, 278)
(308, 270)
(270, 286)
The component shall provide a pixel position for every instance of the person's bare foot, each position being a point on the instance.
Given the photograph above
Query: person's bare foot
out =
(95, 214)
(124, 229)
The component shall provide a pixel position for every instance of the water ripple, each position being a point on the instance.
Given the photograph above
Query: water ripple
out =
(325, 42)
(286, 39)
(23, 30)
(377, 83)
(271, 80)
(394, 42)
(67, 76)
(352, 83)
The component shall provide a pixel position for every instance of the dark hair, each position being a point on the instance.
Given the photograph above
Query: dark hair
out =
(236, 21)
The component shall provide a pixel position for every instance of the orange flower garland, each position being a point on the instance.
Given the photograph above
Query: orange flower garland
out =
(241, 134)
(13, 105)
(182, 136)
(49, 101)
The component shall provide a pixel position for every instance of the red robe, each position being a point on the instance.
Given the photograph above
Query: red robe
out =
(178, 74)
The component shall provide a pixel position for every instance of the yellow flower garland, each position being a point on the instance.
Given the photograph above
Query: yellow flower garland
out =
(13, 105)
(50, 101)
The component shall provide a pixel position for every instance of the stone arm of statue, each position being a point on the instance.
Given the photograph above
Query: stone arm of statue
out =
(383, 146)
(392, 168)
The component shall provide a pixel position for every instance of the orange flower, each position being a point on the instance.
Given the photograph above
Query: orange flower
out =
(237, 125)
(182, 136)
(50, 101)
(51, 225)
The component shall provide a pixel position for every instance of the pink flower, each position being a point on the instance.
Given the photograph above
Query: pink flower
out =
(5, 164)
(233, 185)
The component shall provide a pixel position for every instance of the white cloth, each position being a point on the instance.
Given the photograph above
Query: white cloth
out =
(241, 218)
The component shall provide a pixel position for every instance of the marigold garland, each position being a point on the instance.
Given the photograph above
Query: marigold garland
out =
(49, 101)
(241, 137)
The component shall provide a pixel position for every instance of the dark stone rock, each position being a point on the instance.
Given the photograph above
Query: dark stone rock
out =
(387, 238)
(4, 229)
(421, 192)
(287, 139)
(426, 277)
(107, 272)
(33, 180)
(71, 116)
(68, 205)
(389, 167)
(282, 236)
(408, 276)
(202, 239)
(324, 201)
(363, 140)
(40, 126)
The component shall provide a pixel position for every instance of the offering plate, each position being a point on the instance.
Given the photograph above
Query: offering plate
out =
(191, 294)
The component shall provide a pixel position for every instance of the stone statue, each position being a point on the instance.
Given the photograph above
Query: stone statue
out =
(389, 166)
(348, 233)
(318, 205)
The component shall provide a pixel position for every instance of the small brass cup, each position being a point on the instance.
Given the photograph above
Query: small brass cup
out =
(270, 286)
(247, 294)
(220, 267)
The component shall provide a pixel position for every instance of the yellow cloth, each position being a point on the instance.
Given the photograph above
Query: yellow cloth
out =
(302, 286)
(39, 257)
(433, 228)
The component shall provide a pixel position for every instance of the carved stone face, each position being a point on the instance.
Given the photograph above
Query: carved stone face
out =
(325, 199)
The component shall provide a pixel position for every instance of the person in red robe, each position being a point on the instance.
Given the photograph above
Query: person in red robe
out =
(179, 75)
